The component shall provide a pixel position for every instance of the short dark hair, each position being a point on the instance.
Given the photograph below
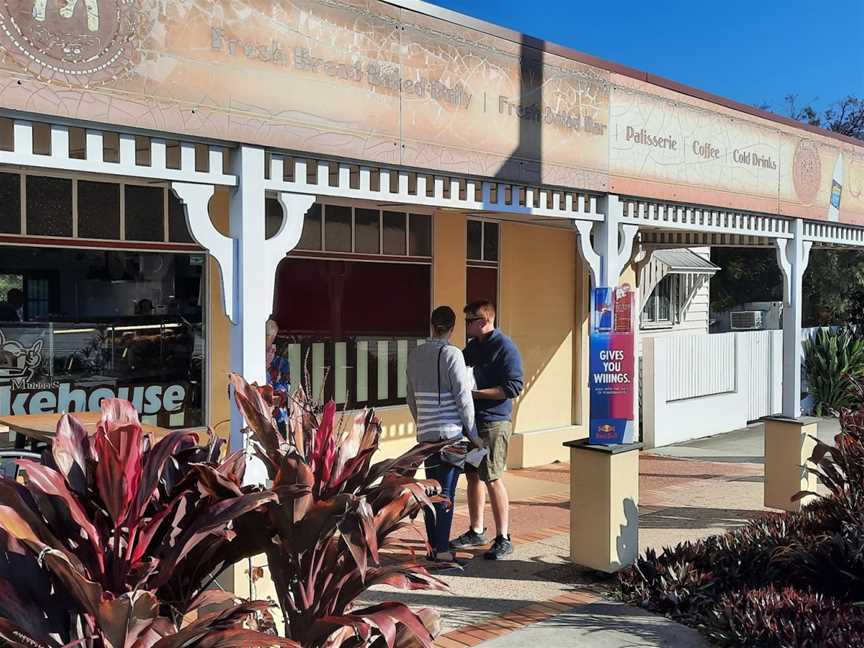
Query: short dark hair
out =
(443, 318)
(482, 307)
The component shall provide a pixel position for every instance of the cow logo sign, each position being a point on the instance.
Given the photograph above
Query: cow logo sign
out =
(18, 363)
(81, 43)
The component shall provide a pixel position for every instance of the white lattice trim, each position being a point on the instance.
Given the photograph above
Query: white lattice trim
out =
(22, 154)
(833, 233)
(379, 184)
(673, 216)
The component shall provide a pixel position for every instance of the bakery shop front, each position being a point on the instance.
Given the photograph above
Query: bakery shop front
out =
(173, 175)
(102, 297)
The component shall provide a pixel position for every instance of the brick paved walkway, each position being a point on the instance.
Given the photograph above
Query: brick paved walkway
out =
(680, 499)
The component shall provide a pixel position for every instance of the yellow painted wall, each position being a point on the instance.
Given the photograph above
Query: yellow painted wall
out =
(538, 293)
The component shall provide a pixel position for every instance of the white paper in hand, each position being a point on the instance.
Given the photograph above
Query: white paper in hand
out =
(475, 456)
(472, 380)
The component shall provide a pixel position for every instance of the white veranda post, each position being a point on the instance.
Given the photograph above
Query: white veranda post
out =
(793, 255)
(607, 255)
(247, 260)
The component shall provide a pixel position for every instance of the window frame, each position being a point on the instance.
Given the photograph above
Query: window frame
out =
(483, 261)
(649, 317)
(323, 253)
(25, 237)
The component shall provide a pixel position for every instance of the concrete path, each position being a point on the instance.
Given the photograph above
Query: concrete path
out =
(539, 596)
(602, 625)
(746, 445)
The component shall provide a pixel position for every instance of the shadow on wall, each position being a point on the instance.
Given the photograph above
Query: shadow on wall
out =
(531, 315)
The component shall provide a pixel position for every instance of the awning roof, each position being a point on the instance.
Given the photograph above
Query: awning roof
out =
(682, 261)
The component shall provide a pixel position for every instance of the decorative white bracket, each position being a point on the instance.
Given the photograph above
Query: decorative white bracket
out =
(614, 240)
(196, 200)
(588, 253)
(785, 259)
(627, 236)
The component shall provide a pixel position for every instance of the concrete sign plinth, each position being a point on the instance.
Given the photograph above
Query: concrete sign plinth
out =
(604, 505)
(789, 443)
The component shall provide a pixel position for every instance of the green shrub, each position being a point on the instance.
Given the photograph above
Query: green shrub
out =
(833, 362)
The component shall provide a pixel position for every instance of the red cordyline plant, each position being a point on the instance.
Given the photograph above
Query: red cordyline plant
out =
(840, 467)
(335, 512)
(110, 541)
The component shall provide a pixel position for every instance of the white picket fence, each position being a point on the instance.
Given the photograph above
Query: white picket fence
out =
(698, 385)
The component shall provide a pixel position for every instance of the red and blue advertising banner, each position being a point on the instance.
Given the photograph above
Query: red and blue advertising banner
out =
(612, 362)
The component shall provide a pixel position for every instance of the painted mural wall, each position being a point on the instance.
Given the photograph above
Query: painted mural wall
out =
(371, 81)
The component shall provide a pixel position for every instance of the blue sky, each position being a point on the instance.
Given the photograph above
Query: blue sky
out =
(755, 51)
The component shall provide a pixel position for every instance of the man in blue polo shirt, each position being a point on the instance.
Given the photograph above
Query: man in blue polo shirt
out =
(497, 369)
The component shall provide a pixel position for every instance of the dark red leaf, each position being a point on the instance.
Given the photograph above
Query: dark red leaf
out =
(118, 446)
(71, 450)
(44, 480)
(154, 462)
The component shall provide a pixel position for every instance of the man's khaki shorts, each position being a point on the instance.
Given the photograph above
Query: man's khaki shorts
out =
(496, 435)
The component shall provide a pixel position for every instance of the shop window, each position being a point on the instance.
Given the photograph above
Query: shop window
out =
(367, 231)
(311, 237)
(77, 143)
(419, 235)
(395, 233)
(111, 147)
(344, 338)
(41, 138)
(98, 210)
(490, 241)
(10, 203)
(475, 240)
(361, 230)
(9, 309)
(337, 228)
(145, 213)
(482, 241)
(273, 217)
(105, 323)
(482, 271)
(6, 137)
(49, 206)
(178, 230)
(661, 307)
(37, 295)
(142, 150)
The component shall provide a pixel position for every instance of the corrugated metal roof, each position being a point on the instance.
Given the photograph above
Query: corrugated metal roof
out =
(682, 260)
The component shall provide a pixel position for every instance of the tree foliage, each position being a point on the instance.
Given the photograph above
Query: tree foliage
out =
(845, 116)
(834, 281)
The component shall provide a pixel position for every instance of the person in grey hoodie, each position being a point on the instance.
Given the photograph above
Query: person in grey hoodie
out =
(439, 396)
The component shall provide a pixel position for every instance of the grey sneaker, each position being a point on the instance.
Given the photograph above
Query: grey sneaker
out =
(469, 539)
(500, 548)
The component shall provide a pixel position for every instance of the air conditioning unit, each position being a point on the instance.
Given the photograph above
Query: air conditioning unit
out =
(773, 317)
(749, 320)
